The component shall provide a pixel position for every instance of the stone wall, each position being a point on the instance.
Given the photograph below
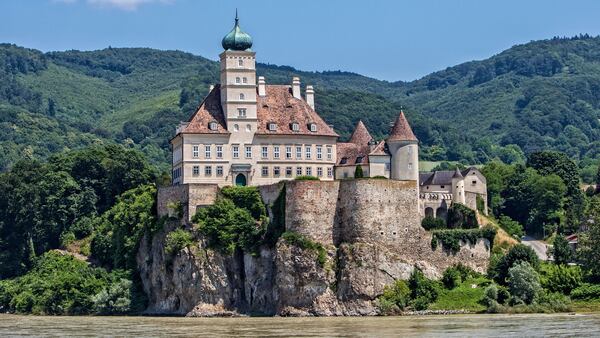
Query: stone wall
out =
(190, 196)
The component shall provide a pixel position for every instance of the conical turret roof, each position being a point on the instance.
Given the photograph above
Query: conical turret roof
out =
(360, 135)
(401, 130)
(457, 174)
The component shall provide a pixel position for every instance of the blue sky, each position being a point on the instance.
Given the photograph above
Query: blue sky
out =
(390, 40)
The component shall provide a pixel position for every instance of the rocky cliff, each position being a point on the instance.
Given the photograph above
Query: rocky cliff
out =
(368, 235)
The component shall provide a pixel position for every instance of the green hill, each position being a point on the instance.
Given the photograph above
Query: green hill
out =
(539, 95)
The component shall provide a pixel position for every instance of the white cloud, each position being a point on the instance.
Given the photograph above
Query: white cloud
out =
(128, 5)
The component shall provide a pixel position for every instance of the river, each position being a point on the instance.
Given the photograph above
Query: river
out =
(531, 325)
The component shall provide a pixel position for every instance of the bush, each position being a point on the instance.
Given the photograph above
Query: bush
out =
(586, 292)
(451, 278)
(554, 301)
(306, 178)
(423, 291)
(305, 243)
(524, 283)
(379, 177)
(513, 228)
(430, 223)
(561, 250)
(115, 299)
(490, 295)
(480, 204)
(83, 227)
(518, 253)
(461, 217)
(246, 198)
(395, 297)
(177, 240)
(561, 278)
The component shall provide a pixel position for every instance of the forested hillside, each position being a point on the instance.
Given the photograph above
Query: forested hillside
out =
(540, 95)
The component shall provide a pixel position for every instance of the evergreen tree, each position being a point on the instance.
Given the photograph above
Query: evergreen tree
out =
(358, 172)
(562, 251)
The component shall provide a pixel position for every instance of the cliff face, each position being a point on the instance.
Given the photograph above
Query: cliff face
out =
(369, 240)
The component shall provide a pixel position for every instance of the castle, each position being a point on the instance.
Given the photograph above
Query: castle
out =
(246, 132)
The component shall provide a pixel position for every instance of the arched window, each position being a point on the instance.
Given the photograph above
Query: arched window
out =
(242, 96)
(240, 62)
(237, 80)
(429, 212)
(212, 125)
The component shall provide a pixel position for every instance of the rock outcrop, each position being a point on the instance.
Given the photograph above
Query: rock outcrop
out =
(368, 239)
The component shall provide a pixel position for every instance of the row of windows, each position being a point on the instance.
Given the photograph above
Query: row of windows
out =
(207, 170)
(176, 173)
(294, 126)
(242, 80)
(289, 171)
(288, 152)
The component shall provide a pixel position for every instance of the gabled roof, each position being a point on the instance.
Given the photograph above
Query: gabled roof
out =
(210, 110)
(282, 108)
(380, 150)
(444, 177)
(360, 135)
(401, 130)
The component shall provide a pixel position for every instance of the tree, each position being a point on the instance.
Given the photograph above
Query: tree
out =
(524, 283)
(598, 180)
(358, 172)
(588, 249)
(561, 250)
(518, 253)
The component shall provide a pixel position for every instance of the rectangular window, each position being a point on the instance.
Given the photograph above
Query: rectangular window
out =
(264, 171)
(288, 152)
(330, 172)
(241, 112)
(276, 171)
(329, 153)
(219, 170)
(248, 151)
(298, 152)
(208, 171)
(196, 170)
(319, 172)
(235, 151)
(207, 151)
(265, 151)
(308, 171)
(219, 151)
(288, 171)
(276, 151)
(387, 166)
(195, 151)
(319, 153)
(409, 165)
(298, 171)
(308, 152)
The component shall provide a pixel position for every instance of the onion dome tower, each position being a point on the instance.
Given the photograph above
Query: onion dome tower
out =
(404, 148)
(237, 39)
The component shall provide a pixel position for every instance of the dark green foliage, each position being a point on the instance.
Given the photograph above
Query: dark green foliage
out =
(598, 180)
(423, 291)
(431, 223)
(561, 250)
(177, 240)
(461, 217)
(306, 178)
(247, 198)
(513, 228)
(305, 243)
(451, 278)
(57, 285)
(561, 278)
(518, 253)
(395, 298)
(451, 239)
(586, 292)
(358, 172)
(277, 225)
(480, 204)
(588, 249)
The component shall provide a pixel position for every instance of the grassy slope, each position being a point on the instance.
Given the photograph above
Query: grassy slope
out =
(463, 297)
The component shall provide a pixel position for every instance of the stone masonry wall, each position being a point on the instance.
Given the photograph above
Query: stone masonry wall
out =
(191, 196)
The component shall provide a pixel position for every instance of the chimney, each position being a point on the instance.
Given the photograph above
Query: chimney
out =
(310, 96)
(262, 91)
(210, 89)
(296, 87)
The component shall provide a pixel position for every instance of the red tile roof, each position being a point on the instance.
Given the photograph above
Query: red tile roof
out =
(360, 135)
(209, 110)
(401, 130)
(281, 107)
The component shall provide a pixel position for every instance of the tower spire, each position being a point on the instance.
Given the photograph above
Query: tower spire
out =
(236, 17)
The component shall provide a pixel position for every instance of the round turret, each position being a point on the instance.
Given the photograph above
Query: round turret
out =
(404, 148)
(458, 187)
(237, 39)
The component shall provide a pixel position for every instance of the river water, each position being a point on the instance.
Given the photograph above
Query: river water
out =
(531, 325)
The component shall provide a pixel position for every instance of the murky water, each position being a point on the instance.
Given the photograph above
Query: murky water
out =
(581, 325)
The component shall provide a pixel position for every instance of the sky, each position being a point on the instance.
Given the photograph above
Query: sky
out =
(385, 39)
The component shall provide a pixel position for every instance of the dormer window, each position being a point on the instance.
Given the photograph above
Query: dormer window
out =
(272, 126)
(344, 160)
(242, 96)
(359, 159)
(212, 125)
(312, 127)
(295, 127)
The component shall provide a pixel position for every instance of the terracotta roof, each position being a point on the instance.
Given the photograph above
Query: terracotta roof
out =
(380, 149)
(401, 130)
(281, 107)
(209, 110)
(360, 135)
(352, 154)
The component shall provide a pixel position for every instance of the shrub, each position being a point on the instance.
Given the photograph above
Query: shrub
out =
(586, 292)
(83, 227)
(554, 301)
(430, 223)
(306, 178)
(305, 243)
(246, 198)
(562, 278)
(177, 240)
(451, 278)
(480, 204)
(66, 238)
(379, 177)
(423, 291)
(490, 295)
(395, 297)
(115, 299)
(513, 228)
(524, 283)
(561, 250)
(518, 253)
(358, 172)
(461, 217)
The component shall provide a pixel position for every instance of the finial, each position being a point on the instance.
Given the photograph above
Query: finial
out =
(236, 17)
